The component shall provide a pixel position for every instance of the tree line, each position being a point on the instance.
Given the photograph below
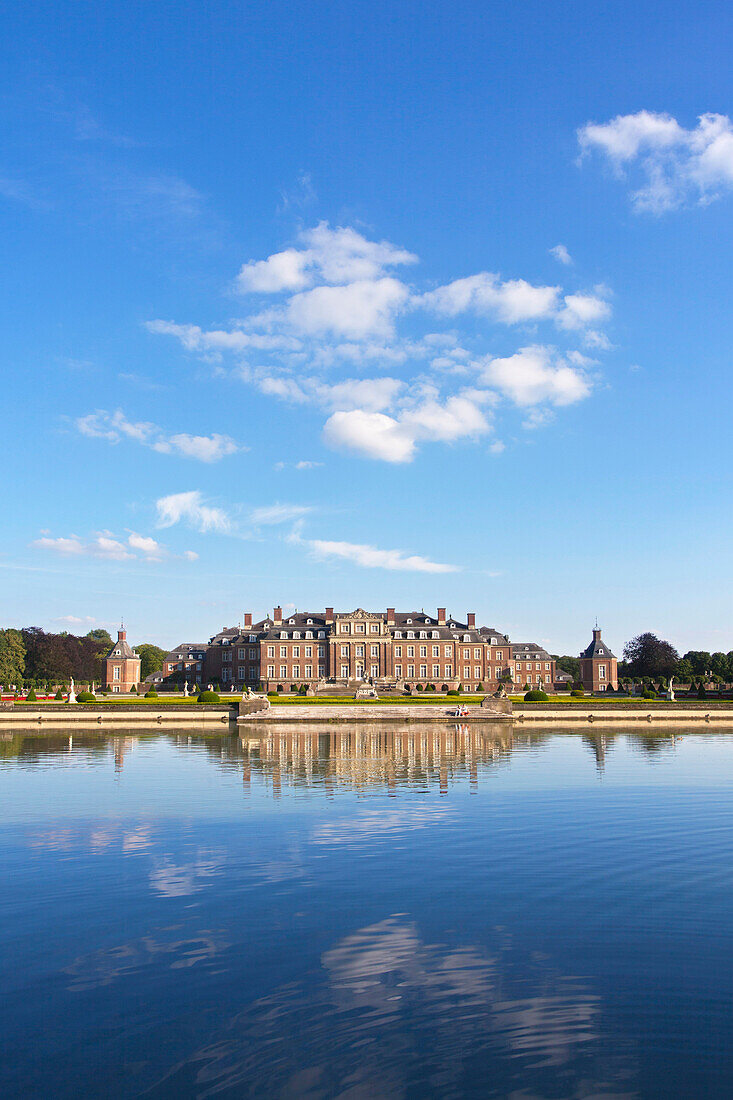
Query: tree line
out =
(32, 657)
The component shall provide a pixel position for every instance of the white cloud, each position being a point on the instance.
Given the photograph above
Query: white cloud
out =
(359, 309)
(104, 545)
(307, 464)
(582, 310)
(369, 434)
(337, 256)
(677, 164)
(194, 338)
(190, 508)
(512, 301)
(370, 557)
(278, 513)
(190, 555)
(533, 376)
(561, 254)
(372, 394)
(115, 426)
(394, 439)
(497, 447)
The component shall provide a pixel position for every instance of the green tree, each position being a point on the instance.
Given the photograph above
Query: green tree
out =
(700, 660)
(648, 655)
(719, 665)
(684, 672)
(102, 640)
(151, 658)
(571, 665)
(12, 657)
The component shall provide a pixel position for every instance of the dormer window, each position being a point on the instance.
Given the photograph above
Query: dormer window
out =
(321, 633)
(283, 633)
(427, 621)
(409, 620)
(309, 633)
(434, 634)
(467, 637)
(296, 633)
(410, 633)
(291, 621)
(451, 625)
(309, 622)
(423, 633)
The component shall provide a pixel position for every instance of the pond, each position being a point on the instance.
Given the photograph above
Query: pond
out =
(367, 912)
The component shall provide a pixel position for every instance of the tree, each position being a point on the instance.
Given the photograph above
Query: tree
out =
(12, 657)
(571, 665)
(102, 640)
(700, 661)
(685, 672)
(719, 665)
(648, 655)
(151, 659)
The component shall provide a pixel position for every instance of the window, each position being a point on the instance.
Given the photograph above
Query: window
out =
(547, 666)
(423, 651)
(309, 633)
(296, 633)
(240, 654)
(226, 675)
(321, 651)
(466, 672)
(270, 672)
(467, 637)
(291, 621)
(466, 654)
(498, 654)
(321, 671)
(240, 672)
(252, 673)
(309, 672)
(309, 651)
(398, 671)
(344, 651)
(116, 688)
(375, 628)
(436, 651)
(423, 633)
(410, 633)
(448, 650)
(283, 672)
(410, 651)
(497, 672)
(602, 673)
(375, 651)
(434, 634)
(477, 672)
(296, 651)
(398, 651)
(477, 654)
(436, 671)
(283, 633)
(374, 670)
(116, 672)
(253, 637)
(358, 628)
(252, 654)
(398, 633)
(283, 651)
(410, 671)
(423, 672)
(408, 620)
(321, 633)
(296, 672)
(448, 671)
(344, 672)
(226, 655)
(360, 651)
(345, 628)
(309, 621)
(271, 651)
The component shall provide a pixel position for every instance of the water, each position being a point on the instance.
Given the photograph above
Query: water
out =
(441, 912)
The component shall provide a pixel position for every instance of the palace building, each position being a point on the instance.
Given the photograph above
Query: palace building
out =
(598, 666)
(393, 649)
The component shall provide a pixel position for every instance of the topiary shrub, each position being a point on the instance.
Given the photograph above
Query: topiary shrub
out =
(294, 687)
(701, 692)
(279, 687)
(536, 697)
(408, 689)
(460, 689)
(86, 697)
(453, 692)
(133, 690)
(419, 687)
(443, 687)
(208, 697)
(151, 693)
(647, 693)
(430, 687)
(479, 687)
(303, 689)
(31, 697)
(59, 696)
(577, 693)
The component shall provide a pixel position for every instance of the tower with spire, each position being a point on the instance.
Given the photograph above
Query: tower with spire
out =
(121, 665)
(598, 665)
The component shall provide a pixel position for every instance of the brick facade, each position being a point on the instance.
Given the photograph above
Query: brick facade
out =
(121, 666)
(598, 666)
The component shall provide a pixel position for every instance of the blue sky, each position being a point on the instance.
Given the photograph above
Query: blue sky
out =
(368, 304)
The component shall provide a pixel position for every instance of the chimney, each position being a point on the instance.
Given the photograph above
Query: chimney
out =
(471, 619)
(248, 618)
(277, 616)
(441, 616)
(121, 635)
(597, 634)
(329, 614)
(390, 616)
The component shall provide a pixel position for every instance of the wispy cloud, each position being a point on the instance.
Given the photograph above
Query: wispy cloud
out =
(114, 427)
(104, 545)
(273, 514)
(561, 254)
(191, 509)
(371, 557)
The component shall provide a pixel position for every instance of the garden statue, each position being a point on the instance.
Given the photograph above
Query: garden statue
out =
(670, 690)
(72, 693)
(185, 689)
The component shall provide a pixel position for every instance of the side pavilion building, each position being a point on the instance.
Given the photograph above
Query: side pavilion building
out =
(122, 665)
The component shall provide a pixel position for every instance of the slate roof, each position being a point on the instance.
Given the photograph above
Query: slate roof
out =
(187, 650)
(122, 649)
(597, 647)
(529, 651)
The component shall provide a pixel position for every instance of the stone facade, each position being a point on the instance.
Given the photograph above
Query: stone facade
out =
(121, 666)
(598, 666)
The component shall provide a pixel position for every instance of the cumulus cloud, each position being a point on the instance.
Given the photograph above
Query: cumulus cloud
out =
(535, 375)
(190, 508)
(339, 304)
(337, 256)
(511, 302)
(676, 164)
(371, 557)
(104, 545)
(114, 427)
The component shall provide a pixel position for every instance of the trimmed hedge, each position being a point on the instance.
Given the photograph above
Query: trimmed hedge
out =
(151, 693)
(86, 697)
(578, 693)
(208, 697)
(536, 697)
(31, 697)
